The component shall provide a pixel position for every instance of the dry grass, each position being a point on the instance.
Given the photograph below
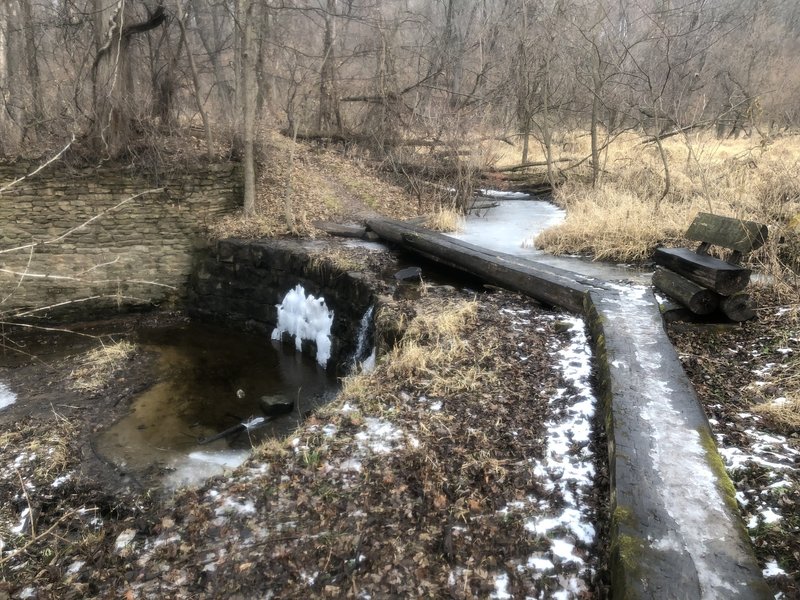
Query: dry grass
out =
(432, 352)
(324, 186)
(784, 415)
(446, 220)
(98, 365)
(624, 217)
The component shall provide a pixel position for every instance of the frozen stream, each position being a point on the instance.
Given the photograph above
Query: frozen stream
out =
(512, 227)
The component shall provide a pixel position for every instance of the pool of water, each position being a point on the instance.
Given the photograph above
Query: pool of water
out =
(207, 380)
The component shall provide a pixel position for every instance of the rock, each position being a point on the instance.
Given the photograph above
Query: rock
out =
(274, 406)
(409, 274)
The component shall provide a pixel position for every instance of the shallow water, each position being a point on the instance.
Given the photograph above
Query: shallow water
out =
(209, 379)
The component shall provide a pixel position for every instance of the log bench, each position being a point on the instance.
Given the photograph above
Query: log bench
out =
(704, 283)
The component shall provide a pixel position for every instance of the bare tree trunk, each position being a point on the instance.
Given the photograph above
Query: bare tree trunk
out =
(209, 29)
(288, 211)
(596, 89)
(667, 179)
(248, 103)
(32, 61)
(328, 118)
(547, 132)
(13, 103)
(198, 98)
(112, 74)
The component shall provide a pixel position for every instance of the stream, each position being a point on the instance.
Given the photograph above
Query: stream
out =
(512, 226)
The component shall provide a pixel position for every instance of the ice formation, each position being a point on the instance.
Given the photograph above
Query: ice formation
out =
(7, 397)
(305, 318)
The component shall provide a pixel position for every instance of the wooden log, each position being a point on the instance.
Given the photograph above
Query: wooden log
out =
(341, 230)
(548, 284)
(712, 273)
(738, 235)
(738, 307)
(696, 298)
(538, 163)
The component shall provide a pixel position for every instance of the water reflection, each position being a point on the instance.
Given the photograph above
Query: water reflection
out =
(209, 379)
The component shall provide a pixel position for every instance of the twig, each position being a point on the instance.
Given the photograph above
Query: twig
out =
(39, 168)
(66, 302)
(28, 500)
(37, 538)
(24, 274)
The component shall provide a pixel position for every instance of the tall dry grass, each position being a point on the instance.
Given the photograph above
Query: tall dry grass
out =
(626, 215)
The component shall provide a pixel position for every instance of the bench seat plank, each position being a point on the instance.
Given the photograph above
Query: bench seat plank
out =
(710, 272)
(742, 236)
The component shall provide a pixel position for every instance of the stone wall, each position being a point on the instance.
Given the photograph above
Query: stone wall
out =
(240, 283)
(134, 255)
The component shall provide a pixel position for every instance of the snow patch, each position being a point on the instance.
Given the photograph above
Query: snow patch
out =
(197, 467)
(305, 317)
(771, 569)
(379, 436)
(501, 587)
(7, 397)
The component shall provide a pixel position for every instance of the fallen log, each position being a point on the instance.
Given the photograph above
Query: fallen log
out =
(715, 274)
(340, 229)
(521, 166)
(738, 307)
(696, 298)
(548, 284)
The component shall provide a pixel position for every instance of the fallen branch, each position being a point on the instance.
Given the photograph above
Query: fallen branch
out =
(67, 302)
(35, 539)
(39, 168)
(538, 163)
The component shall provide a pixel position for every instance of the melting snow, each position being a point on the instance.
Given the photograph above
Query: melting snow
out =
(305, 318)
(195, 468)
(379, 436)
(771, 569)
(567, 469)
(7, 397)
(501, 195)
(229, 505)
(501, 587)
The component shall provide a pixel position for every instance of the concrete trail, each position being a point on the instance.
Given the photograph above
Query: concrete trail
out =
(676, 530)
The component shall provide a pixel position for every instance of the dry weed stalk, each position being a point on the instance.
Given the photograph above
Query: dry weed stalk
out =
(446, 220)
(99, 365)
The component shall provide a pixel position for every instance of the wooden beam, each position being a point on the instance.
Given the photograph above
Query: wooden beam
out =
(696, 298)
(738, 307)
(742, 236)
(547, 284)
(712, 273)
(341, 230)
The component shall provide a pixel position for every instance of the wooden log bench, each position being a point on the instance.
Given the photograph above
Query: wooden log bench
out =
(704, 283)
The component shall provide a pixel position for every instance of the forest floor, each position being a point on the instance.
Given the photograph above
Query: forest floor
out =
(455, 474)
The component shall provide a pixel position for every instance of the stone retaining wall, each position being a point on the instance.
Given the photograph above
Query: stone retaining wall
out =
(241, 283)
(135, 255)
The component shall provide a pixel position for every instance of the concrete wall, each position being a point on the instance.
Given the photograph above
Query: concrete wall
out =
(240, 283)
(136, 255)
